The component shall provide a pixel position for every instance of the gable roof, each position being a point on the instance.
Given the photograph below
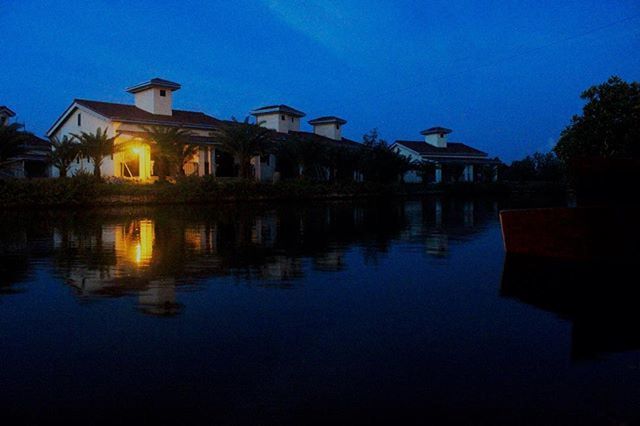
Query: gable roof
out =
(271, 109)
(132, 114)
(453, 149)
(154, 82)
(314, 138)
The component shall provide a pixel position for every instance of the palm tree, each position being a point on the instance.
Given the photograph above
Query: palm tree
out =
(244, 141)
(95, 147)
(64, 153)
(12, 142)
(170, 147)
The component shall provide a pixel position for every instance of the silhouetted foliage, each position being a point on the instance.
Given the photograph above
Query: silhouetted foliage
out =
(65, 151)
(244, 141)
(609, 126)
(537, 167)
(95, 146)
(170, 148)
(379, 163)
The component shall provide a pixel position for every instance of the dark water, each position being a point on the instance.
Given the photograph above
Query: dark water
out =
(389, 312)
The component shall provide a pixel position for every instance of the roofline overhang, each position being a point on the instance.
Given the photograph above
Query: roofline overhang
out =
(74, 105)
(165, 84)
(331, 120)
(278, 110)
(436, 131)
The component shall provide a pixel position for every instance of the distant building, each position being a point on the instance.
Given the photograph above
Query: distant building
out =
(34, 161)
(451, 161)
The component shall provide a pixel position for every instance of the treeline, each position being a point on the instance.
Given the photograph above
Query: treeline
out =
(538, 167)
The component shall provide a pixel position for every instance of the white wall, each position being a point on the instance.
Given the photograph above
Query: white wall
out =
(89, 123)
(329, 130)
(151, 101)
(275, 122)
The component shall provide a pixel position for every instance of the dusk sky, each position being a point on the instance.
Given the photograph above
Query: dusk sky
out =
(504, 75)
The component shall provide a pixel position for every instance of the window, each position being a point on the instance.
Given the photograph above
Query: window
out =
(282, 117)
(163, 93)
(79, 119)
(338, 126)
(292, 119)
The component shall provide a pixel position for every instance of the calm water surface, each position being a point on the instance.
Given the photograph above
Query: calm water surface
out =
(361, 312)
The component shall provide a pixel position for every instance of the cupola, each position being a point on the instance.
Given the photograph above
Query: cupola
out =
(281, 118)
(330, 127)
(155, 96)
(436, 136)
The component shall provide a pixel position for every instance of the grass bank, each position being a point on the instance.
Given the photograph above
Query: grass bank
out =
(86, 191)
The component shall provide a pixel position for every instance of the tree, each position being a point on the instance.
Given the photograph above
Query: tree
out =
(537, 167)
(379, 162)
(95, 146)
(244, 141)
(609, 126)
(170, 148)
(12, 142)
(64, 153)
(307, 158)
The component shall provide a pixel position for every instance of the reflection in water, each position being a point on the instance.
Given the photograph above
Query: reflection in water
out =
(152, 252)
(600, 300)
(284, 313)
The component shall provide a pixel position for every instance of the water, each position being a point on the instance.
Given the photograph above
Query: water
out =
(388, 312)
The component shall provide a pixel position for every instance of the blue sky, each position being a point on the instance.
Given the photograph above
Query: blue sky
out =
(505, 75)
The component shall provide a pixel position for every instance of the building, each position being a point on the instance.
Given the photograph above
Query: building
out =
(450, 161)
(33, 161)
(153, 106)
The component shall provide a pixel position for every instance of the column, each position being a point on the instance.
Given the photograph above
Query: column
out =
(212, 161)
(257, 168)
(144, 162)
(438, 176)
(202, 153)
(467, 174)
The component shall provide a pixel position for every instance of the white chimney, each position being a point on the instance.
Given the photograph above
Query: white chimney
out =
(330, 127)
(5, 115)
(280, 118)
(155, 96)
(436, 136)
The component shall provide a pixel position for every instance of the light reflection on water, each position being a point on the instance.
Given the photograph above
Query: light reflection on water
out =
(364, 309)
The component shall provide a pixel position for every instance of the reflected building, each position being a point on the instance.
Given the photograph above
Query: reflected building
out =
(150, 253)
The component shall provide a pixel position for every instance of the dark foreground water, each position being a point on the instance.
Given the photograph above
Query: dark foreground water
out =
(377, 312)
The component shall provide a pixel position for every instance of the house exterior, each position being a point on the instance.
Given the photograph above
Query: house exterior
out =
(153, 106)
(34, 161)
(450, 161)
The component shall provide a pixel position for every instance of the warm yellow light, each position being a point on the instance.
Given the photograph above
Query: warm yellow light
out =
(136, 150)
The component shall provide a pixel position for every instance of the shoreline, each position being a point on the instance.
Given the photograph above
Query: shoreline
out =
(86, 192)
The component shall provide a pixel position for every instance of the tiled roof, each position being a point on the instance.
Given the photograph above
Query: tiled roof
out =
(327, 120)
(154, 82)
(436, 130)
(453, 148)
(312, 137)
(130, 113)
(285, 109)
